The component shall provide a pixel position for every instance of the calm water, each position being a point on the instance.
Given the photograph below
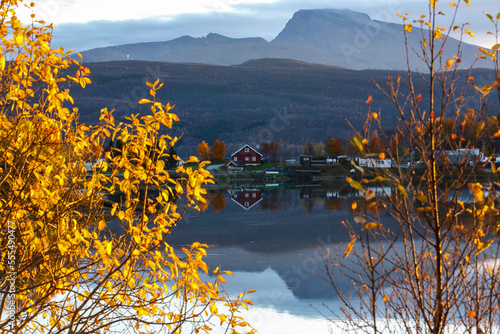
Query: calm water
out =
(268, 238)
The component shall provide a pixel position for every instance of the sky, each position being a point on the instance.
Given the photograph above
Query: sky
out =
(84, 24)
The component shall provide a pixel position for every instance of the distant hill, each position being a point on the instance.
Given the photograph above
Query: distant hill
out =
(336, 37)
(260, 100)
(212, 49)
(355, 41)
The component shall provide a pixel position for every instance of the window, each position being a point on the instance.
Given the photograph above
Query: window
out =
(254, 159)
(254, 195)
(246, 149)
(247, 204)
(235, 159)
(246, 158)
(247, 195)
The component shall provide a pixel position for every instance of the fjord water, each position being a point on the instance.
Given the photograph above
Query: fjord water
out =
(269, 239)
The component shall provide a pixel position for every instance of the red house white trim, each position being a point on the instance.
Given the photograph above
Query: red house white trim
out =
(248, 155)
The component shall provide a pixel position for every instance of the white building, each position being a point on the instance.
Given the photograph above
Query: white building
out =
(375, 163)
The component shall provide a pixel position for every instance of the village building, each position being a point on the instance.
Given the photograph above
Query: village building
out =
(248, 155)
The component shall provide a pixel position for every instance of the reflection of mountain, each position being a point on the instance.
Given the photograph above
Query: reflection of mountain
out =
(283, 239)
(295, 269)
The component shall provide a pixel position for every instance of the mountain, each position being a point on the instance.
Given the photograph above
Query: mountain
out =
(355, 41)
(213, 49)
(260, 100)
(335, 37)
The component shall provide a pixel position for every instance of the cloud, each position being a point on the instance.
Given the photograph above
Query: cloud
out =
(244, 19)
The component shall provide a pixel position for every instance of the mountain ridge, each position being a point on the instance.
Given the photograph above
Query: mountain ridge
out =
(338, 37)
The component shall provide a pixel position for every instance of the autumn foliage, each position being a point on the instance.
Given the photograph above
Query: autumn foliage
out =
(72, 260)
(433, 268)
(218, 150)
(334, 146)
(203, 151)
(219, 202)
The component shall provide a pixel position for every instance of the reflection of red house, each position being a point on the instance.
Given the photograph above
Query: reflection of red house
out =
(247, 198)
(248, 155)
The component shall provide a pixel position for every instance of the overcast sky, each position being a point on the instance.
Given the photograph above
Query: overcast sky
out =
(86, 24)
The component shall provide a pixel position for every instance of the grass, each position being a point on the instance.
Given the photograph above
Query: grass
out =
(260, 167)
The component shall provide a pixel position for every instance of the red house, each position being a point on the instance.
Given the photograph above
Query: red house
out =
(248, 155)
(247, 198)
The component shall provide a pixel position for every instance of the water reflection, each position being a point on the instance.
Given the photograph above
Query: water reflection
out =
(246, 198)
(269, 238)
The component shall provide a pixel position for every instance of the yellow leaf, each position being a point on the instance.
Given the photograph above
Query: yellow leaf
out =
(477, 191)
(386, 298)
(424, 209)
(481, 246)
(213, 308)
(113, 210)
(358, 144)
(471, 314)
(354, 184)
(121, 215)
(349, 247)
(144, 101)
(369, 100)
(403, 191)
(379, 179)
(19, 39)
(354, 205)
(422, 198)
(136, 252)
(62, 248)
(102, 225)
(408, 27)
(382, 156)
(371, 226)
(449, 63)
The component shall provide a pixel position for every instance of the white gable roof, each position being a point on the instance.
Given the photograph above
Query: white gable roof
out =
(248, 147)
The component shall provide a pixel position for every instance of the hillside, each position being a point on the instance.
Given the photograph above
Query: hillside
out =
(257, 101)
(335, 37)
